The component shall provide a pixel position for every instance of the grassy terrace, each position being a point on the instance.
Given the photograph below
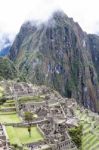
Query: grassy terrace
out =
(8, 103)
(1, 91)
(17, 135)
(9, 117)
(1, 94)
(21, 136)
(31, 98)
(90, 138)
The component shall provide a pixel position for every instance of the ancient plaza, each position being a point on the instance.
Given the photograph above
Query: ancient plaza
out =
(52, 114)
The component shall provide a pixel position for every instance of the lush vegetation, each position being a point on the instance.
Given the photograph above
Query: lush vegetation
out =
(20, 135)
(90, 137)
(28, 116)
(76, 134)
(12, 135)
(9, 117)
(7, 69)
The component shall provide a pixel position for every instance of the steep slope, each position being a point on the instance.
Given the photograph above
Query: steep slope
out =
(94, 47)
(7, 69)
(58, 54)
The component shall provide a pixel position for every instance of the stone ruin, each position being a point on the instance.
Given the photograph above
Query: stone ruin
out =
(4, 143)
(56, 135)
(57, 121)
(53, 111)
(13, 88)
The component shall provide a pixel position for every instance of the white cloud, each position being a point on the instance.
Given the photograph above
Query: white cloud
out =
(14, 12)
(5, 40)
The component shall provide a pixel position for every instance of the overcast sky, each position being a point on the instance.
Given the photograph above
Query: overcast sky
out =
(14, 12)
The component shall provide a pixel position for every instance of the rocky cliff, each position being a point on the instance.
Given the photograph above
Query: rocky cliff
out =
(59, 54)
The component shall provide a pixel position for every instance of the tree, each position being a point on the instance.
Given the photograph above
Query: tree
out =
(76, 135)
(28, 116)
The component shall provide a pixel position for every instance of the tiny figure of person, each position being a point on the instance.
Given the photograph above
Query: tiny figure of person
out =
(29, 130)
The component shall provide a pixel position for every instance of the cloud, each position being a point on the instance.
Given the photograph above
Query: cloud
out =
(14, 12)
(5, 40)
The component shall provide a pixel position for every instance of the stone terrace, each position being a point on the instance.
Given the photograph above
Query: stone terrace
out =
(50, 109)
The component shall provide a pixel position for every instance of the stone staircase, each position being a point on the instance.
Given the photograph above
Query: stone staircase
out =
(4, 143)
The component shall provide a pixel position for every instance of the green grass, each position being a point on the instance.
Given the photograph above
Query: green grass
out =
(21, 135)
(9, 117)
(10, 101)
(12, 135)
(31, 98)
(90, 140)
(6, 107)
(8, 104)
(1, 94)
(1, 91)
(7, 113)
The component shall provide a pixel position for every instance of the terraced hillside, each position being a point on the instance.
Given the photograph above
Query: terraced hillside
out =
(8, 112)
(90, 122)
(43, 102)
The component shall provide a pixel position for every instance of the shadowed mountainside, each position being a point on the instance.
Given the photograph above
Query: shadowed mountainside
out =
(60, 55)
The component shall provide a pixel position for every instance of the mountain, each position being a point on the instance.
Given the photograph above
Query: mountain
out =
(61, 55)
(5, 45)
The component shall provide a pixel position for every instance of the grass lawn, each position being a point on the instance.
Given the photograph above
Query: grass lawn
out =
(7, 117)
(12, 135)
(21, 135)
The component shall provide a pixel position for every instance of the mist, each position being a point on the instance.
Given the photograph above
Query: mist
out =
(13, 13)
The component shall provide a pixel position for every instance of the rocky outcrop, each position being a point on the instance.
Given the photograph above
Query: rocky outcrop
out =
(94, 48)
(59, 54)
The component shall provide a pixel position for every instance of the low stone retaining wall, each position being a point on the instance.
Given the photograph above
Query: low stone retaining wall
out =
(35, 144)
(25, 124)
(7, 109)
(39, 129)
(3, 137)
